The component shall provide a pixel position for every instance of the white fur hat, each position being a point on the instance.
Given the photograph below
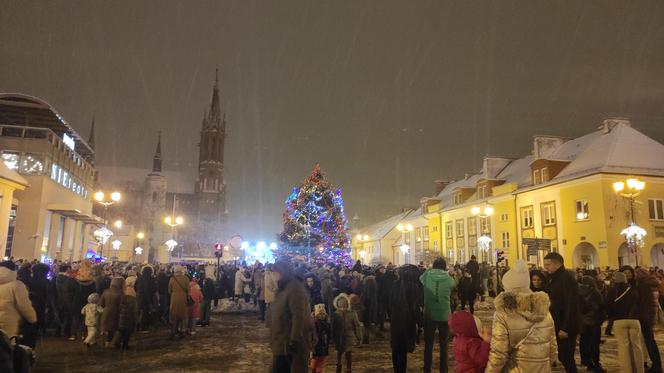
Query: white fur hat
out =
(338, 298)
(517, 278)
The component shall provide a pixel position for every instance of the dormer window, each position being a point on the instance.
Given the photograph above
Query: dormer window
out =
(457, 198)
(537, 177)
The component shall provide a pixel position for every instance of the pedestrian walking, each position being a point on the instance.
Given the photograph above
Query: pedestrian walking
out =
(91, 313)
(323, 337)
(620, 304)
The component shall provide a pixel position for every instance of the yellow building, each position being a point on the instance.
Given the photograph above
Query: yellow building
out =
(559, 198)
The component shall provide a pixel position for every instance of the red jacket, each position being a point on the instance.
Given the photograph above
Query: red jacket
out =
(471, 352)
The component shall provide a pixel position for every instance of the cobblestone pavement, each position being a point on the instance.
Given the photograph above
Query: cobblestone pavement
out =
(234, 343)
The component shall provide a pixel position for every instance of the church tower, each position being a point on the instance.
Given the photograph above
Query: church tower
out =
(154, 202)
(210, 186)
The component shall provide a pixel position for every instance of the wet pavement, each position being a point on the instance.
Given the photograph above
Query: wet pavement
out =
(234, 343)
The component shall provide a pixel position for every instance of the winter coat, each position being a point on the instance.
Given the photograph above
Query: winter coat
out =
(405, 304)
(591, 307)
(270, 286)
(471, 352)
(195, 294)
(356, 305)
(162, 288)
(346, 328)
(91, 311)
(178, 289)
(370, 300)
(208, 289)
(146, 288)
(65, 287)
(290, 319)
(563, 290)
(14, 303)
(240, 281)
(647, 309)
(515, 314)
(437, 286)
(259, 284)
(323, 336)
(314, 292)
(128, 313)
(623, 308)
(110, 301)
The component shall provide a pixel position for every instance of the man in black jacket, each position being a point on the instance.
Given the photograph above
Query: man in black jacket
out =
(564, 294)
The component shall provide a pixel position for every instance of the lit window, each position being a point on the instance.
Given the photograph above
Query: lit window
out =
(582, 210)
(435, 246)
(549, 213)
(448, 230)
(527, 217)
(485, 225)
(656, 209)
(459, 228)
(472, 227)
(418, 234)
(545, 175)
(54, 171)
(506, 240)
(425, 233)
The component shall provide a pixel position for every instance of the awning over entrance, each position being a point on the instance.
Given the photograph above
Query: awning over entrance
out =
(75, 214)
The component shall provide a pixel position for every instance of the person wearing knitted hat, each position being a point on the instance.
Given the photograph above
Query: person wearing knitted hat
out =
(289, 321)
(523, 336)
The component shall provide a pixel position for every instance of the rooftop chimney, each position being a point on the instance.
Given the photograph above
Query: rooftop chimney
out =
(440, 185)
(609, 123)
(544, 146)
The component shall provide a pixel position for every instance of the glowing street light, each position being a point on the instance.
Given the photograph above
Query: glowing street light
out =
(102, 235)
(404, 249)
(140, 235)
(118, 224)
(116, 245)
(629, 190)
(171, 244)
(173, 221)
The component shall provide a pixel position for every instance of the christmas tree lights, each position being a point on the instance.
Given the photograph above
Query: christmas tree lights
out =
(314, 223)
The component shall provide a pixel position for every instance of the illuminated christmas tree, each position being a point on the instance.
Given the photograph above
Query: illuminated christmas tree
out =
(315, 222)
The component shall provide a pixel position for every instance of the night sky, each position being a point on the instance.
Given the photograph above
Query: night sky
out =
(387, 95)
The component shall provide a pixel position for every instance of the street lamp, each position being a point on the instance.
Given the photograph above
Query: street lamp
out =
(629, 190)
(483, 241)
(100, 197)
(139, 238)
(361, 238)
(407, 228)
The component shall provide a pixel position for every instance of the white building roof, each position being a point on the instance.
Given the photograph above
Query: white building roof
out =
(622, 150)
(379, 230)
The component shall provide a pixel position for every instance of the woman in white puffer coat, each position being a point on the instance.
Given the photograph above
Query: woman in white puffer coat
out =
(15, 304)
(523, 338)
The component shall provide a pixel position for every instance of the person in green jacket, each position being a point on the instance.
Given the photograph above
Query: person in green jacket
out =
(438, 285)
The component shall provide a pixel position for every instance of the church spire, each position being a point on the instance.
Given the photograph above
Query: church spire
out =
(156, 161)
(215, 106)
(91, 140)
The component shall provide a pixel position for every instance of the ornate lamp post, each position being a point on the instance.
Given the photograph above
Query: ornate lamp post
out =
(629, 190)
(362, 238)
(407, 228)
(483, 241)
(105, 200)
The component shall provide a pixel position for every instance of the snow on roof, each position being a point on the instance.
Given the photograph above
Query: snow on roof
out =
(176, 182)
(621, 150)
(517, 171)
(11, 175)
(381, 229)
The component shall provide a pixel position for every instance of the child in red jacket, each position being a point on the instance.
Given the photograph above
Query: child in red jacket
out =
(471, 350)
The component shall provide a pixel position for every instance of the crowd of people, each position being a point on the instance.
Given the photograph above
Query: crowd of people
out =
(311, 309)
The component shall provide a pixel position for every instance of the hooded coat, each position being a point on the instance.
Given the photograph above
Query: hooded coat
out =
(178, 288)
(346, 328)
(405, 309)
(110, 302)
(471, 352)
(516, 313)
(370, 300)
(14, 303)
